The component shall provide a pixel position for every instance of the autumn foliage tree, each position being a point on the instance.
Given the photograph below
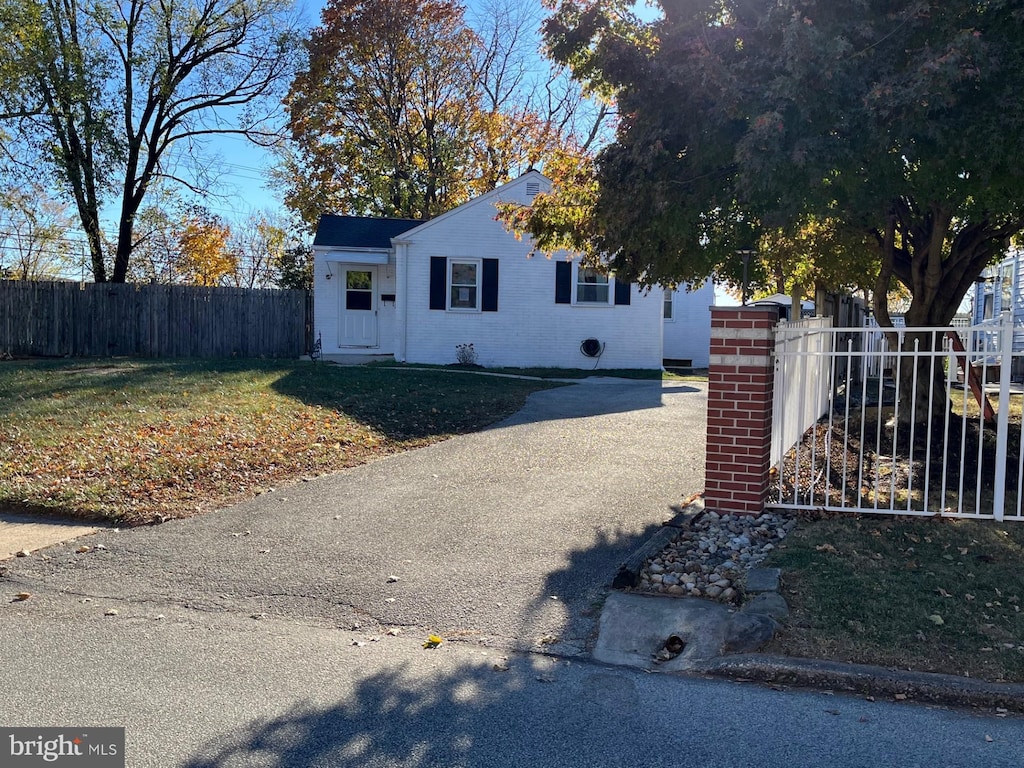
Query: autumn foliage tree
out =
(895, 120)
(404, 110)
(33, 235)
(97, 94)
(203, 256)
(901, 120)
(258, 243)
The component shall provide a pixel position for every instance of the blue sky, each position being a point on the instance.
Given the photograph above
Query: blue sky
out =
(244, 186)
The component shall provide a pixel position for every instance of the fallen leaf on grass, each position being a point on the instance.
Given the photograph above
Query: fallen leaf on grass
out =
(827, 548)
(433, 641)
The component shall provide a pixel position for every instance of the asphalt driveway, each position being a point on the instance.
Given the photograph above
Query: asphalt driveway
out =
(508, 537)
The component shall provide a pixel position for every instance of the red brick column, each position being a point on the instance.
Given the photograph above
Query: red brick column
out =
(741, 383)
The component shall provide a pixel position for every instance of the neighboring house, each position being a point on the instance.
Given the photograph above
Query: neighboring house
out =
(1001, 289)
(414, 291)
(687, 321)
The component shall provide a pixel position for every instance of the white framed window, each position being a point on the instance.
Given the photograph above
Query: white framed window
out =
(591, 287)
(464, 285)
(667, 313)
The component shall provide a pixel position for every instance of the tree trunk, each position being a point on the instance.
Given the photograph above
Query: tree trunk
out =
(938, 264)
(922, 379)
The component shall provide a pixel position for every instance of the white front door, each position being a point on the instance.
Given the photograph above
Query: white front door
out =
(359, 307)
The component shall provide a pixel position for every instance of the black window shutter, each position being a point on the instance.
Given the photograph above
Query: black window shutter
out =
(489, 298)
(563, 282)
(621, 291)
(438, 281)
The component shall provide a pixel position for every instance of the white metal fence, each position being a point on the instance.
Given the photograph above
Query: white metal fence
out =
(800, 348)
(919, 421)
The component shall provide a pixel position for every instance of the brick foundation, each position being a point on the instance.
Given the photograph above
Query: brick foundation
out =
(741, 381)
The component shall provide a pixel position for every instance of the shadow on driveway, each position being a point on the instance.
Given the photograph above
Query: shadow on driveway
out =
(474, 716)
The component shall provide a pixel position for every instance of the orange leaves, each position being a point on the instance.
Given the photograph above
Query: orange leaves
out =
(176, 457)
(258, 425)
(203, 254)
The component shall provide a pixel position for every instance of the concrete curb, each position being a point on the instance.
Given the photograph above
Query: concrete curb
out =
(629, 572)
(868, 680)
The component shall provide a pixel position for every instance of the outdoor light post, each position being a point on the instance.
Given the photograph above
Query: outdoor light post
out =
(745, 254)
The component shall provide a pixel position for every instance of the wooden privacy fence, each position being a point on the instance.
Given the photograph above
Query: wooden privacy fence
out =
(68, 319)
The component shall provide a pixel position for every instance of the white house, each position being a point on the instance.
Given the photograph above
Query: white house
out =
(687, 326)
(999, 289)
(414, 291)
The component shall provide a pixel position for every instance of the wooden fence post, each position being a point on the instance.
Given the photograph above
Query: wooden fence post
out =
(741, 382)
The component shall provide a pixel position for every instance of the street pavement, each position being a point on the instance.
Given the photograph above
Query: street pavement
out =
(222, 690)
(288, 630)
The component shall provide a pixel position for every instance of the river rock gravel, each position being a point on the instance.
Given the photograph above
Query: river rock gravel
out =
(711, 557)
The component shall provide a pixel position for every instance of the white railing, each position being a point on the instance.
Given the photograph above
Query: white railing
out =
(801, 349)
(919, 429)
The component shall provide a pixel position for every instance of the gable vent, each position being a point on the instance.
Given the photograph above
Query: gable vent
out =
(532, 188)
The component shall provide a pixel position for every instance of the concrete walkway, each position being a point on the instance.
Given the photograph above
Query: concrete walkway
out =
(27, 533)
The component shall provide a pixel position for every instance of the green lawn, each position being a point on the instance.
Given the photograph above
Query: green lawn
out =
(932, 595)
(130, 441)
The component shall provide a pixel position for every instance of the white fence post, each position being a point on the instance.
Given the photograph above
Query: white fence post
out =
(1003, 415)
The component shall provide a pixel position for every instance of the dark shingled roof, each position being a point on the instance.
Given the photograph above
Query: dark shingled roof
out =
(360, 231)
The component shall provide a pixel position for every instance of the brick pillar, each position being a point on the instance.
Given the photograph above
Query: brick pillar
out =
(741, 382)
